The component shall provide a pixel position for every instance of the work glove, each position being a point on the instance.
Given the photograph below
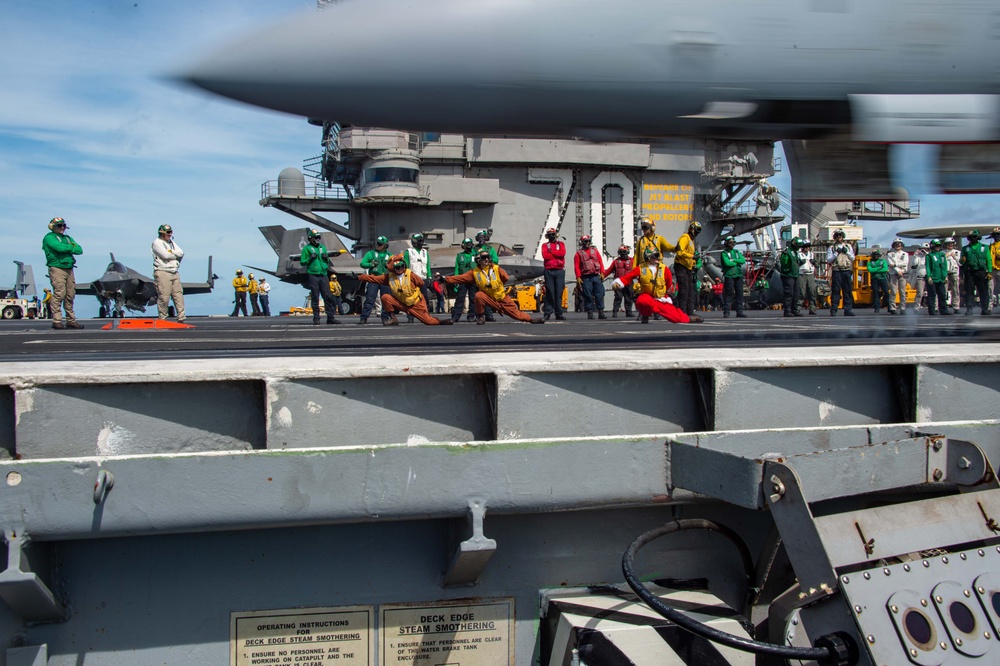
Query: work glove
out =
(617, 284)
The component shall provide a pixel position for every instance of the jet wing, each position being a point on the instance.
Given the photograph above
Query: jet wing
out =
(201, 287)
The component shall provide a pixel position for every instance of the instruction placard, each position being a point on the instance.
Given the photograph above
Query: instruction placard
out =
(303, 637)
(454, 634)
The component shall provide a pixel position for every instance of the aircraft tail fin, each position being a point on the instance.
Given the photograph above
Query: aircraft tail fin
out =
(212, 277)
(273, 235)
(25, 284)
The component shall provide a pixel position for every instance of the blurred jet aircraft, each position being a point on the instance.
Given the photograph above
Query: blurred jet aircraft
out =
(886, 72)
(122, 288)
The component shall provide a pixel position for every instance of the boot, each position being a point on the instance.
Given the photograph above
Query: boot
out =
(391, 321)
(601, 315)
(590, 314)
(537, 320)
(446, 322)
(480, 319)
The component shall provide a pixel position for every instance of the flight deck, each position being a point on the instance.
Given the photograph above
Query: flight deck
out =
(291, 336)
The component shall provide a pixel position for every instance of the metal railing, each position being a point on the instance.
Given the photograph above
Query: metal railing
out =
(313, 190)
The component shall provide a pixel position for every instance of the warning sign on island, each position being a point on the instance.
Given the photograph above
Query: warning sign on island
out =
(303, 637)
(457, 634)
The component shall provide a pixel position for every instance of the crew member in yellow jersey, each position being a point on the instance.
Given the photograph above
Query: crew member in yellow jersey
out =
(650, 240)
(686, 268)
(654, 290)
(241, 286)
(406, 293)
(336, 291)
(490, 280)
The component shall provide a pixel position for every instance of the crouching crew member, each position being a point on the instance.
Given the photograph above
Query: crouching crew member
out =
(655, 281)
(489, 281)
(405, 293)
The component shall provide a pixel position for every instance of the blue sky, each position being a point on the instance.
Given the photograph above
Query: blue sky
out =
(91, 132)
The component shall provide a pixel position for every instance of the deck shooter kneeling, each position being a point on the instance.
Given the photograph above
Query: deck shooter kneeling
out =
(406, 293)
(490, 281)
(654, 286)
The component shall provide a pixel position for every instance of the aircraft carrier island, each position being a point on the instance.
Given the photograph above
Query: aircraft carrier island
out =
(763, 491)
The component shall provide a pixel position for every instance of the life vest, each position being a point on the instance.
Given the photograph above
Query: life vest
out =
(489, 283)
(589, 261)
(653, 282)
(403, 289)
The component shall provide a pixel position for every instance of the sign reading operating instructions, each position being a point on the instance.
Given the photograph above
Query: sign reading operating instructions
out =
(303, 637)
(439, 633)
(453, 633)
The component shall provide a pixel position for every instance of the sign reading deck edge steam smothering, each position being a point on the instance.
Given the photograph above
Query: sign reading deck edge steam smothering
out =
(462, 633)
(303, 637)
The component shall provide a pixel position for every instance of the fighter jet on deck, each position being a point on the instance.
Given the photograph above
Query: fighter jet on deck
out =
(122, 288)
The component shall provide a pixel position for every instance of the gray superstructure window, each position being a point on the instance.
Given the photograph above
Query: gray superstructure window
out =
(391, 175)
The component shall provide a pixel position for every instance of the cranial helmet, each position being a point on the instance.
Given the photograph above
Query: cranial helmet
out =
(239, 271)
(897, 242)
(481, 237)
(382, 240)
(417, 240)
(623, 251)
(876, 253)
(551, 233)
(694, 228)
(164, 229)
(313, 236)
(250, 276)
(949, 239)
(995, 233)
(467, 243)
(584, 240)
(730, 241)
(56, 222)
(974, 235)
(651, 254)
(647, 224)
(839, 233)
(396, 262)
(936, 242)
(484, 255)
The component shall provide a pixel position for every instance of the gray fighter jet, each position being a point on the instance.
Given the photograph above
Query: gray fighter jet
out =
(122, 288)
(886, 72)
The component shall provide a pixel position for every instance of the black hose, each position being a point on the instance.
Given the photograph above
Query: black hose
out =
(692, 625)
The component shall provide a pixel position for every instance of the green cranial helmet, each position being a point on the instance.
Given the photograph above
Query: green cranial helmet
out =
(417, 239)
(876, 253)
(165, 229)
(936, 242)
(467, 243)
(729, 241)
(974, 235)
(382, 240)
(651, 254)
